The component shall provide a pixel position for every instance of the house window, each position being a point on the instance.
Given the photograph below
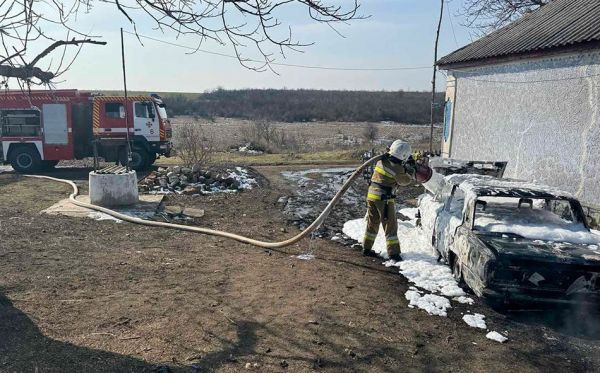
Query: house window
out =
(114, 110)
(447, 118)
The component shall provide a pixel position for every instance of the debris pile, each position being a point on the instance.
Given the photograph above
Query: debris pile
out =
(195, 181)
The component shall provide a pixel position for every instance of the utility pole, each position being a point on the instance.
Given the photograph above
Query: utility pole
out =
(125, 103)
(435, 51)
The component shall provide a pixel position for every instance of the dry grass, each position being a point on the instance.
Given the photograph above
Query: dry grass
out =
(316, 136)
(324, 157)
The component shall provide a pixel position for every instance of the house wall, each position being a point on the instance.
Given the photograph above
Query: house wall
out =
(542, 116)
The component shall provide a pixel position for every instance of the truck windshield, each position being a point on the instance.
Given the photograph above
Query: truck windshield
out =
(533, 218)
(162, 112)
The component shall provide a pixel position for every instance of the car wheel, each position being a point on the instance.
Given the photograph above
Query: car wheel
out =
(140, 159)
(24, 159)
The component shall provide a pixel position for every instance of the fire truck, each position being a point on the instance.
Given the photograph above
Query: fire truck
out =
(40, 128)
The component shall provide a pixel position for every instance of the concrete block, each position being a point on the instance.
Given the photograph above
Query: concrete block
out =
(109, 190)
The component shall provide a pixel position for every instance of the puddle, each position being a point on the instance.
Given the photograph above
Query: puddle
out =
(314, 189)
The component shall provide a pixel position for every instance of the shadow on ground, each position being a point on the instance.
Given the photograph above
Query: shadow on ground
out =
(578, 321)
(24, 348)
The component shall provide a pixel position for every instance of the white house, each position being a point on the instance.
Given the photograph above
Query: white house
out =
(529, 94)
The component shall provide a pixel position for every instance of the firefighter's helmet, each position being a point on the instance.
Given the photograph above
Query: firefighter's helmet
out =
(401, 150)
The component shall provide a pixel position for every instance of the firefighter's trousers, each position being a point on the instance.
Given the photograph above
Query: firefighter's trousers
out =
(382, 212)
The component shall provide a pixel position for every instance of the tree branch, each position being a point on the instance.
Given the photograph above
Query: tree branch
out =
(59, 43)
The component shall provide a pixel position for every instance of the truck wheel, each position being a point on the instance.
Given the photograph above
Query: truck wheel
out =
(25, 159)
(140, 159)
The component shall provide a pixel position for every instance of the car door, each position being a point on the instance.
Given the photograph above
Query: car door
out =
(145, 121)
(449, 219)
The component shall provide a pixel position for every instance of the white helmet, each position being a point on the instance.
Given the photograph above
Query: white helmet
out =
(400, 149)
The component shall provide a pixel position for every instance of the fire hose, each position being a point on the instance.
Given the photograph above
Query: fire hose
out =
(268, 245)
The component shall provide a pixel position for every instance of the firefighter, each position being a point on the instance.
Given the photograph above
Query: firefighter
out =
(396, 168)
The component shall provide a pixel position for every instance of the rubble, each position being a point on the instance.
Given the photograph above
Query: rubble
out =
(195, 181)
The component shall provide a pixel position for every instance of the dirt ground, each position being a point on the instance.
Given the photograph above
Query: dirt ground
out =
(79, 295)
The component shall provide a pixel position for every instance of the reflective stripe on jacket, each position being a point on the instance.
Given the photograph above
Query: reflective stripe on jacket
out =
(386, 176)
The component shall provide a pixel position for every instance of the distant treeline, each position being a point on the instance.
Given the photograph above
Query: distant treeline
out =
(307, 105)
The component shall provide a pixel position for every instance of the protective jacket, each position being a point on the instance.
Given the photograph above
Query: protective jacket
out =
(381, 206)
(386, 176)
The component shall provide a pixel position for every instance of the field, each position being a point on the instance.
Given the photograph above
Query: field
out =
(311, 137)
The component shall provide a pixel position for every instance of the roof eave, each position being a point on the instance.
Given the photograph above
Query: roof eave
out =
(567, 49)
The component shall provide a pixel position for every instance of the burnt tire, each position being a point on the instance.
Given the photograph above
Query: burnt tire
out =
(140, 159)
(25, 159)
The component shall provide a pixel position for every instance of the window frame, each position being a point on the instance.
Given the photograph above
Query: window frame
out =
(121, 111)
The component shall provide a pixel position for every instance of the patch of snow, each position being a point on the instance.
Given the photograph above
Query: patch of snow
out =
(409, 212)
(433, 304)
(464, 300)
(248, 149)
(595, 232)
(305, 256)
(97, 215)
(242, 177)
(495, 336)
(475, 320)
(5, 169)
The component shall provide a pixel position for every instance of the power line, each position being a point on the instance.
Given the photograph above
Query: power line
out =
(313, 67)
(451, 23)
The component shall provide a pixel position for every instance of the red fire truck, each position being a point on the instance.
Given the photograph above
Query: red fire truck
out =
(40, 128)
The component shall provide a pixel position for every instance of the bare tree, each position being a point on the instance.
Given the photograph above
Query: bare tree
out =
(488, 15)
(31, 31)
(193, 144)
(370, 132)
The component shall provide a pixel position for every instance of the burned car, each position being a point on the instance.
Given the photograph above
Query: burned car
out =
(510, 240)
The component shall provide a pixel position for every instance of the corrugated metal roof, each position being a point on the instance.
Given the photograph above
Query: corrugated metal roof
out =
(561, 23)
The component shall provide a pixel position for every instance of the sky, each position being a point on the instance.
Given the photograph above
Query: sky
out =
(397, 33)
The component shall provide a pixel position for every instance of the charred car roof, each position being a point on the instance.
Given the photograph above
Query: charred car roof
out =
(482, 186)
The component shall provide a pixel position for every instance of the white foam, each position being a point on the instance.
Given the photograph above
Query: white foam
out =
(305, 256)
(431, 303)
(495, 336)
(475, 320)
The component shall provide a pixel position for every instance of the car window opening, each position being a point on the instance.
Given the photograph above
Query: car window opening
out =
(525, 217)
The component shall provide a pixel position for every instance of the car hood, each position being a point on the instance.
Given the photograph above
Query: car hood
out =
(543, 251)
